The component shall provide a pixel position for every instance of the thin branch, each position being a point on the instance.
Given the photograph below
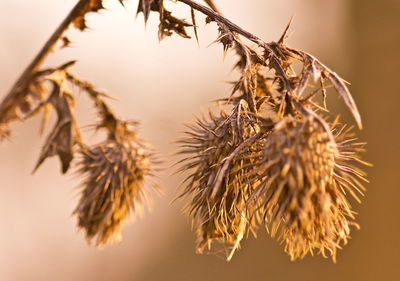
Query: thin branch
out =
(217, 17)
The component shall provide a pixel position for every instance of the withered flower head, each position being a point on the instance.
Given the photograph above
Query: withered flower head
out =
(303, 176)
(113, 188)
(217, 185)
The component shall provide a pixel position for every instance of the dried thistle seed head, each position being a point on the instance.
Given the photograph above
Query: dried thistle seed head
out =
(113, 187)
(217, 186)
(299, 189)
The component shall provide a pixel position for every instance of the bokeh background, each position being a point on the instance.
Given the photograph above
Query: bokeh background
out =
(163, 85)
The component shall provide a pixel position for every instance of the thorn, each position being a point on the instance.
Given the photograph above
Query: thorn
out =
(285, 33)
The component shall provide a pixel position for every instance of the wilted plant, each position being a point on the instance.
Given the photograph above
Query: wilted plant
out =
(276, 159)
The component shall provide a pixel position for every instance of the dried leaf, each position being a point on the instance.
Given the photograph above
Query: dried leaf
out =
(25, 102)
(170, 24)
(64, 134)
(90, 6)
(339, 85)
(344, 92)
(46, 109)
(145, 6)
(65, 42)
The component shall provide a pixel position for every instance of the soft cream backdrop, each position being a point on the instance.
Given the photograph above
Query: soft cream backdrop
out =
(163, 85)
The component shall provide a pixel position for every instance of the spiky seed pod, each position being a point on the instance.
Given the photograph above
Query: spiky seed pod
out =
(217, 186)
(302, 176)
(113, 187)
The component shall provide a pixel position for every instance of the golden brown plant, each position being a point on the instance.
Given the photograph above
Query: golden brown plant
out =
(301, 185)
(218, 186)
(114, 171)
(274, 160)
(294, 175)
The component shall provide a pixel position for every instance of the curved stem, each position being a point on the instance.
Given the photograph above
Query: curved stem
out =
(217, 17)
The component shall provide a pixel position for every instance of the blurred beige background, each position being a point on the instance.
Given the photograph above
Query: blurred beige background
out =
(164, 85)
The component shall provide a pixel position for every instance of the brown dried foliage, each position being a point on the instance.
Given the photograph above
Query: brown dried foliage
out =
(275, 160)
(295, 174)
(65, 133)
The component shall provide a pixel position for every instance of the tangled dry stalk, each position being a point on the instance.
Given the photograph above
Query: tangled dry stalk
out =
(276, 158)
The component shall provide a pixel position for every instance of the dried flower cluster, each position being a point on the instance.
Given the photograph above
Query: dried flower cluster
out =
(275, 159)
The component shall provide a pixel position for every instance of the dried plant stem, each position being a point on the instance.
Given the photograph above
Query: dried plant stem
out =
(34, 66)
(235, 28)
(217, 17)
